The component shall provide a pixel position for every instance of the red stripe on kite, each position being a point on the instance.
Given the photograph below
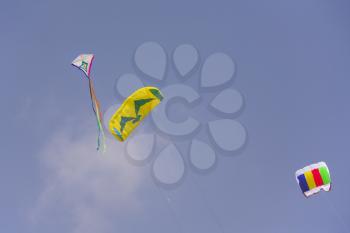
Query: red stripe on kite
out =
(317, 177)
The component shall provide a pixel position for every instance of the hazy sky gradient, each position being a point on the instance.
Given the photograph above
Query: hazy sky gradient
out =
(292, 67)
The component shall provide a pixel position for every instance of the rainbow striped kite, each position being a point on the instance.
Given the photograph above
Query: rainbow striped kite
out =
(313, 178)
(84, 63)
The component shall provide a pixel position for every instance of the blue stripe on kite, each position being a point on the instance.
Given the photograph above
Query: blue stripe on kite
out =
(302, 183)
(118, 134)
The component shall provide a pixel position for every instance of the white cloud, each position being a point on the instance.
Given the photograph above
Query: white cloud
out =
(88, 187)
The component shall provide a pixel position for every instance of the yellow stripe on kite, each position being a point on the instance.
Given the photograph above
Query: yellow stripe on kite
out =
(310, 180)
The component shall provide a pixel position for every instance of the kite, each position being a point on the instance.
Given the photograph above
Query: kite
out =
(133, 110)
(313, 178)
(84, 63)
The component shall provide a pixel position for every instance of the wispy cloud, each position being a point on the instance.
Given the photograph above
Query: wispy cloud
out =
(87, 186)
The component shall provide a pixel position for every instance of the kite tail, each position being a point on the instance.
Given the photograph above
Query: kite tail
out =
(101, 140)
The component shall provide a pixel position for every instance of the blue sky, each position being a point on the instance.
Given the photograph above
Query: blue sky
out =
(292, 62)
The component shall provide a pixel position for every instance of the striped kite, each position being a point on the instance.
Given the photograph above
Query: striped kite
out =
(84, 63)
(313, 178)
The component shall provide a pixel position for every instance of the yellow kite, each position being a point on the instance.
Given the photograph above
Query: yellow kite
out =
(133, 110)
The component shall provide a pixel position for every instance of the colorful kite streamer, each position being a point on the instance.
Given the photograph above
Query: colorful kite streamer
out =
(84, 63)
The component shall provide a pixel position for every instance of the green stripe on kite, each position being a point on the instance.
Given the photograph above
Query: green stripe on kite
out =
(157, 94)
(325, 175)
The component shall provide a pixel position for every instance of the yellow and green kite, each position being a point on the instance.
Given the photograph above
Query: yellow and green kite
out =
(133, 110)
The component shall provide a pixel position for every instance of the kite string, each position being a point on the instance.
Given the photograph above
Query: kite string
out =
(205, 201)
(176, 219)
(336, 213)
(97, 111)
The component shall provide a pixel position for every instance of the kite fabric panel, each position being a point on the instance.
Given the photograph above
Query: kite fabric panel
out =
(313, 178)
(84, 63)
(133, 110)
